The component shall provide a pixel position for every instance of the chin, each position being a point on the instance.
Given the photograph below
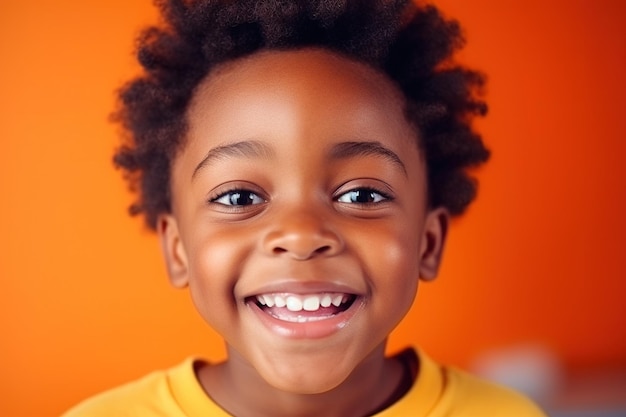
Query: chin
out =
(305, 381)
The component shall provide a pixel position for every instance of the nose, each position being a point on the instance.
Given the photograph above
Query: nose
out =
(302, 235)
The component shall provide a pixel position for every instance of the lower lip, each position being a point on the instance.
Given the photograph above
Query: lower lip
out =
(308, 330)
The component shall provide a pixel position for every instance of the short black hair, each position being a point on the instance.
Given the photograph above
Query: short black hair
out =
(412, 44)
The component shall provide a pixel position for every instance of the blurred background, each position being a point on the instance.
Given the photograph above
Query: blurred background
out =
(533, 288)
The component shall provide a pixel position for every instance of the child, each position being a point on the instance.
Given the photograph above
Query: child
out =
(299, 162)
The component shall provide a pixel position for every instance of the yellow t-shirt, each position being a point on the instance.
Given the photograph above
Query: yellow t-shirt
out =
(437, 392)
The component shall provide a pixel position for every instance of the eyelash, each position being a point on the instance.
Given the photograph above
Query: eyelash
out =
(377, 195)
(238, 191)
(254, 198)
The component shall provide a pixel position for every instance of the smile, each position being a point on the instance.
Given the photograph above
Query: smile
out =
(304, 308)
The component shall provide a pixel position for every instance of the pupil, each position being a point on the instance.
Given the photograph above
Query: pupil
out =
(363, 197)
(241, 199)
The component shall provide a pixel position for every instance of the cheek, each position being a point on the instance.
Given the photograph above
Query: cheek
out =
(401, 275)
(214, 267)
(392, 256)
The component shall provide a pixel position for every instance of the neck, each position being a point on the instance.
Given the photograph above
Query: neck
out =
(241, 391)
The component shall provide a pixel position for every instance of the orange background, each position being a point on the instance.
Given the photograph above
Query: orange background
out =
(539, 258)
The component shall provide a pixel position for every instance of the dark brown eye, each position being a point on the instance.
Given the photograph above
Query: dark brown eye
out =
(238, 198)
(362, 196)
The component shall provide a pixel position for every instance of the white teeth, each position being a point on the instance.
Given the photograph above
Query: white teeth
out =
(294, 303)
(269, 300)
(337, 300)
(280, 301)
(310, 302)
(326, 301)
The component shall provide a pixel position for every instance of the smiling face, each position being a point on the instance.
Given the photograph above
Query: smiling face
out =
(299, 215)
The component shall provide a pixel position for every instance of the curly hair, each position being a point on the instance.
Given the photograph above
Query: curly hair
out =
(412, 44)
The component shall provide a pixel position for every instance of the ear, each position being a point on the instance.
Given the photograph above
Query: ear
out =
(433, 240)
(173, 250)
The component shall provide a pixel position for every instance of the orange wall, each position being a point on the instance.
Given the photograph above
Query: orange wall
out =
(540, 256)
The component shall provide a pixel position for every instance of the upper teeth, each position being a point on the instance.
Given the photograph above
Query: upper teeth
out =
(309, 302)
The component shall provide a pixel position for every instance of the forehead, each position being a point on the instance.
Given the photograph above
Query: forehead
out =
(292, 68)
(301, 101)
(312, 81)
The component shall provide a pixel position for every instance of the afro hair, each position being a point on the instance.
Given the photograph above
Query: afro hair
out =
(412, 44)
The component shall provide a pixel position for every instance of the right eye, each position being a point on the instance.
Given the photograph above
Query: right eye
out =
(238, 198)
(363, 196)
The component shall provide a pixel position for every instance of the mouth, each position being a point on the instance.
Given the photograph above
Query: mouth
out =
(303, 308)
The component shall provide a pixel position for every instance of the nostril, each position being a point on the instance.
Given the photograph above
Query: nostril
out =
(303, 253)
(279, 250)
(301, 245)
(322, 249)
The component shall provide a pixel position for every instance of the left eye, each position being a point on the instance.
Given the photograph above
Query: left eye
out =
(238, 198)
(362, 196)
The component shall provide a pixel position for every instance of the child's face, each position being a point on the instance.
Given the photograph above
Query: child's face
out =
(300, 182)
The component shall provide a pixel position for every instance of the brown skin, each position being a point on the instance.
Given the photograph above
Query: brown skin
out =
(300, 228)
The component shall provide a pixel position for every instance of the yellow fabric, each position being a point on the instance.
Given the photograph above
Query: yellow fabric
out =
(447, 392)
(437, 392)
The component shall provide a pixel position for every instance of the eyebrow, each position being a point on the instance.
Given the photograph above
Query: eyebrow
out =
(345, 150)
(243, 149)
